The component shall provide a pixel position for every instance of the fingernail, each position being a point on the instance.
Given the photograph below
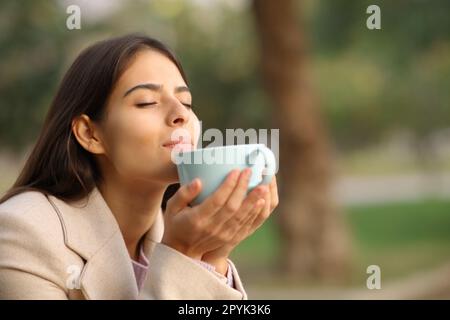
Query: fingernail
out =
(193, 184)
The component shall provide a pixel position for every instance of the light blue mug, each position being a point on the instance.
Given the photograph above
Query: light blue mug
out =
(212, 165)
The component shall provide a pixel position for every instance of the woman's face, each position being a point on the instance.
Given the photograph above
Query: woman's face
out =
(148, 103)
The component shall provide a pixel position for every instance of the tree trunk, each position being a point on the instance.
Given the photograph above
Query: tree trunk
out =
(315, 244)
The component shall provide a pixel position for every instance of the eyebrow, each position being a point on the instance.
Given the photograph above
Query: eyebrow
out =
(154, 87)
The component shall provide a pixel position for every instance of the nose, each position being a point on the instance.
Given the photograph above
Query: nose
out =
(178, 114)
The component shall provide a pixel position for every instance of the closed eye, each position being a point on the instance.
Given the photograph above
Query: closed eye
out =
(143, 104)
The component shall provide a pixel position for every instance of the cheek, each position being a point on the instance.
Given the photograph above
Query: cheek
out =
(133, 143)
(195, 130)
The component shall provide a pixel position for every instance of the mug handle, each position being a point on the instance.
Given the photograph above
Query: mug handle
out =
(269, 162)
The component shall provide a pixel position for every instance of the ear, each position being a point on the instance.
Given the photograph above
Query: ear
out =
(87, 134)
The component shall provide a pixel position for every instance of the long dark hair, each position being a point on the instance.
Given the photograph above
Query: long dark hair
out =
(58, 165)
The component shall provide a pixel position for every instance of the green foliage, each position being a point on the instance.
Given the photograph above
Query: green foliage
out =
(31, 50)
(375, 81)
(369, 82)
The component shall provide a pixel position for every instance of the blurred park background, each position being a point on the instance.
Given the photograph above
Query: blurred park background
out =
(364, 119)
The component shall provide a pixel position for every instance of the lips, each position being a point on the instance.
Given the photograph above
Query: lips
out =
(181, 144)
(172, 144)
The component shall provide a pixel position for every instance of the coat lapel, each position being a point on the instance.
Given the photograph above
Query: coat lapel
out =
(91, 230)
(152, 237)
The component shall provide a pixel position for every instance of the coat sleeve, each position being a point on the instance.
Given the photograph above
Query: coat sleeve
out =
(172, 275)
(23, 248)
(23, 285)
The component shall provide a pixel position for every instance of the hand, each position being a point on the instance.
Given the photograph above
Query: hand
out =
(253, 221)
(213, 223)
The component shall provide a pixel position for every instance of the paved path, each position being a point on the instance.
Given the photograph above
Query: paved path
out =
(372, 189)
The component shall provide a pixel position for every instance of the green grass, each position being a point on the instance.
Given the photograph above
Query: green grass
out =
(401, 238)
(261, 247)
(401, 224)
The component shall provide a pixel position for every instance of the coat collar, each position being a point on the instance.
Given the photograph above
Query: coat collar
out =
(91, 230)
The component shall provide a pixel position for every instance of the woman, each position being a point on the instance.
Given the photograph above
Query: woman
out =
(84, 219)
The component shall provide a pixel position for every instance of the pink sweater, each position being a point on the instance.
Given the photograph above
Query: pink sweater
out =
(141, 266)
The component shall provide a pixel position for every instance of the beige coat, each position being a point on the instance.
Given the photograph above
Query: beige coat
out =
(50, 249)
